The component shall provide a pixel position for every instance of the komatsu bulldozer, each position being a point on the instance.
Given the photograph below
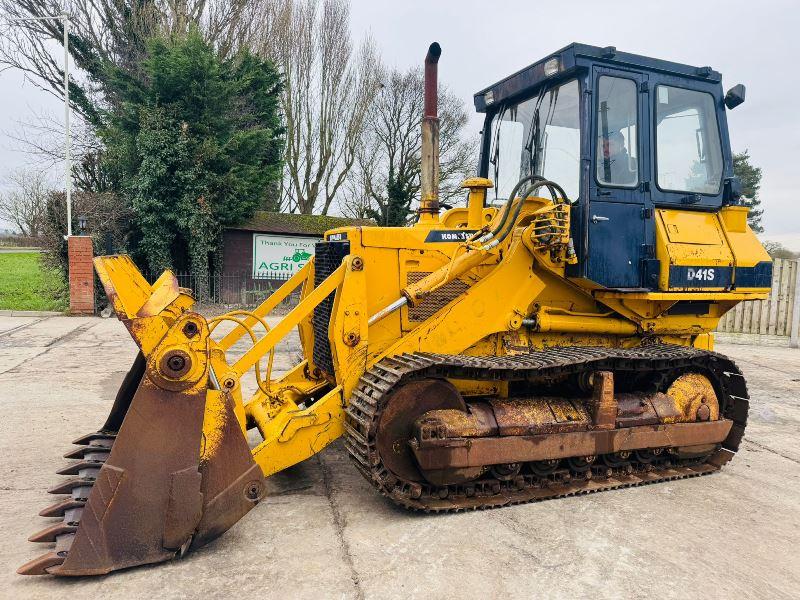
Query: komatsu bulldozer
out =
(552, 337)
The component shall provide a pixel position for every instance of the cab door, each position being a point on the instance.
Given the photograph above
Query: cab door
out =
(619, 205)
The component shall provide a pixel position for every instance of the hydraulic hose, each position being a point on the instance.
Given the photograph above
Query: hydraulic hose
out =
(503, 233)
(505, 210)
(552, 187)
(511, 196)
(505, 226)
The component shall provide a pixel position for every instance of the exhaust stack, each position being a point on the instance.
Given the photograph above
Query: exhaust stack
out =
(429, 173)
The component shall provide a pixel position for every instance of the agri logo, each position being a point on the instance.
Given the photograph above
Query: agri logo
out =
(277, 257)
(299, 255)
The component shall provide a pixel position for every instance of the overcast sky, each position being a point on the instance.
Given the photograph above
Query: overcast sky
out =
(755, 43)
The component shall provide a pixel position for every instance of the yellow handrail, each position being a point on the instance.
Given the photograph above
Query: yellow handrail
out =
(297, 314)
(267, 306)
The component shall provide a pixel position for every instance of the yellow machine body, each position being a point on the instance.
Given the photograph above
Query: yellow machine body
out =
(467, 360)
(706, 240)
(517, 299)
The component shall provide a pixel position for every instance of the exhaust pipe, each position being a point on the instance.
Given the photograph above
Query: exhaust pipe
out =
(429, 169)
(431, 80)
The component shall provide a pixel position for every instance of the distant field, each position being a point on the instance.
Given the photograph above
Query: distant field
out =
(26, 285)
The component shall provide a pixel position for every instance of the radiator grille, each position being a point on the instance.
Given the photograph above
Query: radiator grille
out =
(327, 258)
(437, 300)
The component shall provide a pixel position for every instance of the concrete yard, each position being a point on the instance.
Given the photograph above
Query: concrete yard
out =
(325, 533)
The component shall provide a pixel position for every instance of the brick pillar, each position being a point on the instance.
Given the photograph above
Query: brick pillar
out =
(81, 275)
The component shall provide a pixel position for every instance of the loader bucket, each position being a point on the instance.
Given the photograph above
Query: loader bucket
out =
(171, 468)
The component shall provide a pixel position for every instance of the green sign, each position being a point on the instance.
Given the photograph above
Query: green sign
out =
(280, 256)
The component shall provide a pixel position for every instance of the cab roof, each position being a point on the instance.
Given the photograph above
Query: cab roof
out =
(582, 56)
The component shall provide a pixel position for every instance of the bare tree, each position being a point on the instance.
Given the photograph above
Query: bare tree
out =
(42, 138)
(355, 202)
(778, 250)
(25, 203)
(103, 34)
(110, 32)
(388, 161)
(328, 87)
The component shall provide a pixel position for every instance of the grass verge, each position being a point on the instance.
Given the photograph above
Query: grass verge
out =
(26, 284)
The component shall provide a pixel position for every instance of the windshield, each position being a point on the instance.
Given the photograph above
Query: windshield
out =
(688, 153)
(538, 136)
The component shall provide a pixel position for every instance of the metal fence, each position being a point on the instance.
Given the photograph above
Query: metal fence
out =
(778, 315)
(232, 289)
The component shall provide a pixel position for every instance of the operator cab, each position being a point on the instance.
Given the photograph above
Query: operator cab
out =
(622, 134)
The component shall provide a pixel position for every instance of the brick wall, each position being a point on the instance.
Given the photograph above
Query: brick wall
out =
(81, 275)
(237, 258)
(237, 251)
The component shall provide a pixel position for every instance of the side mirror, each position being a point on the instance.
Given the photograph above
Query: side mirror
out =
(735, 96)
(732, 192)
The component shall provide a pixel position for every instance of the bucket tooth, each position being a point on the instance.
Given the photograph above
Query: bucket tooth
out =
(68, 486)
(76, 468)
(49, 534)
(51, 560)
(60, 508)
(96, 436)
(41, 564)
(82, 452)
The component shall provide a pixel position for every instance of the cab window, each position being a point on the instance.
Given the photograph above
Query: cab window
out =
(539, 136)
(617, 160)
(688, 152)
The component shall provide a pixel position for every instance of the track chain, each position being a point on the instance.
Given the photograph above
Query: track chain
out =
(375, 388)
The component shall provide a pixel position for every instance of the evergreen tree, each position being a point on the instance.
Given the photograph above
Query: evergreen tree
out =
(397, 211)
(195, 146)
(750, 177)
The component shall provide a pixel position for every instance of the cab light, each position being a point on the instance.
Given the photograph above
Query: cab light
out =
(552, 66)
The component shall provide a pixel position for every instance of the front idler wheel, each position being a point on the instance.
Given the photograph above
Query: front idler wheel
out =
(505, 472)
(396, 429)
(580, 464)
(543, 468)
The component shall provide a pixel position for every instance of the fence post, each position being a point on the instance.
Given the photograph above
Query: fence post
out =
(794, 335)
(81, 275)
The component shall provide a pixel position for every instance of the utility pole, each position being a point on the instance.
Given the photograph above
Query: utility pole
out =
(68, 140)
(64, 18)
(79, 247)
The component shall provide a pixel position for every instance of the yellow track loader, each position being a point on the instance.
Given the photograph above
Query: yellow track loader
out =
(550, 338)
